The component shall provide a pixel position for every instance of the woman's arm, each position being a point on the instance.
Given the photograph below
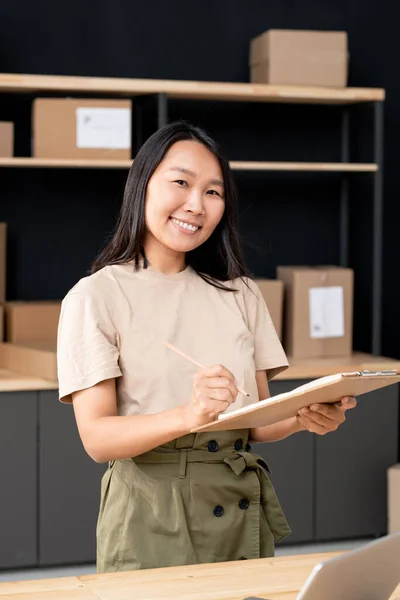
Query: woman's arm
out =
(277, 431)
(107, 436)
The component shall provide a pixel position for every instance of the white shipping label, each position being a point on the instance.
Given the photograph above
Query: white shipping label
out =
(326, 312)
(108, 128)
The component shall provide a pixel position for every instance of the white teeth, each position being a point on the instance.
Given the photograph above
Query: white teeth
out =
(185, 225)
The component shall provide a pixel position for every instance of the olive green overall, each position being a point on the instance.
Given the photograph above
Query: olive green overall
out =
(202, 498)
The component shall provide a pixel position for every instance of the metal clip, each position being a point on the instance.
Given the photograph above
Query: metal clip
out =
(367, 373)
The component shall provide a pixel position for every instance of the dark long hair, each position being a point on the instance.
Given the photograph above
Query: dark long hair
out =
(220, 257)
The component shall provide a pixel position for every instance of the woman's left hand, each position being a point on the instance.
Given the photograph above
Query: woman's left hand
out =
(323, 418)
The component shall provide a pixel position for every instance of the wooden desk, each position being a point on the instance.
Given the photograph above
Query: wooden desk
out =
(276, 579)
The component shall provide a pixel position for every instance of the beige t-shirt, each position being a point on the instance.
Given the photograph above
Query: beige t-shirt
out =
(113, 324)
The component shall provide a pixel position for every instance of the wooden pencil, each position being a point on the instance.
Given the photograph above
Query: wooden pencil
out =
(196, 363)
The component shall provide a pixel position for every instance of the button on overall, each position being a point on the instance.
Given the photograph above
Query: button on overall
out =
(238, 445)
(212, 446)
(243, 503)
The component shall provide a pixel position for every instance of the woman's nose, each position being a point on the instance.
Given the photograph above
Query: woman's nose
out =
(194, 203)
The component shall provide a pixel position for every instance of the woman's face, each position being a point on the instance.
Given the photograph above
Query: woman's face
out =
(184, 198)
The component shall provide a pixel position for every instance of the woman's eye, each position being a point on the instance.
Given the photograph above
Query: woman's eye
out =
(181, 182)
(213, 193)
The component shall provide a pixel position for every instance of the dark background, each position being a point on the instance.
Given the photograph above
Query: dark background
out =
(58, 219)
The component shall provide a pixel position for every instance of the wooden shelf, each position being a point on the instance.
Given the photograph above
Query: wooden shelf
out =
(64, 163)
(319, 367)
(60, 163)
(196, 90)
(304, 166)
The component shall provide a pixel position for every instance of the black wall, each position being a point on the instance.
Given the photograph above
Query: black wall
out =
(59, 219)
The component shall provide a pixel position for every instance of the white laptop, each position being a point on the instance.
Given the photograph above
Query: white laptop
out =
(371, 572)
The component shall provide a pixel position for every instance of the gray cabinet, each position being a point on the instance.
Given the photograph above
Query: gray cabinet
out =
(18, 497)
(330, 487)
(292, 473)
(351, 469)
(69, 487)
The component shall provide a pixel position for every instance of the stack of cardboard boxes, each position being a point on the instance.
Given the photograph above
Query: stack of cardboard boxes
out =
(28, 330)
(295, 57)
(65, 129)
(318, 311)
(317, 317)
(312, 310)
(31, 338)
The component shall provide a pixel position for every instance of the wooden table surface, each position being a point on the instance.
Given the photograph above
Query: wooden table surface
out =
(274, 578)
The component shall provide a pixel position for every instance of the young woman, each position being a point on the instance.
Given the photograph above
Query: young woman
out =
(173, 271)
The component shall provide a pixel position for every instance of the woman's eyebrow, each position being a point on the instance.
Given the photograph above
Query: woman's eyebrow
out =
(218, 182)
(183, 170)
(186, 171)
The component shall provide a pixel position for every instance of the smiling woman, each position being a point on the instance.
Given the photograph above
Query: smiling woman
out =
(179, 179)
(173, 272)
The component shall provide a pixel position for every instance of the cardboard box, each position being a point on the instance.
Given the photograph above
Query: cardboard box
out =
(318, 311)
(31, 339)
(1, 323)
(80, 128)
(272, 291)
(6, 139)
(32, 359)
(393, 482)
(3, 245)
(295, 57)
(31, 321)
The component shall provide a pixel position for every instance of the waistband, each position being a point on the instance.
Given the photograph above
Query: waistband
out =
(200, 441)
(238, 461)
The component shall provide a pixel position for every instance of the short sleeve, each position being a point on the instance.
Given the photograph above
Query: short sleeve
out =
(268, 351)
(87, 351)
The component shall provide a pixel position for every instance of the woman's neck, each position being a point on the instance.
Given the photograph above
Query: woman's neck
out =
(163, 259)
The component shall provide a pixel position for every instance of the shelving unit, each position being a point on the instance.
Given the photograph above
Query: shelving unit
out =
(44, 514)
(153, 95)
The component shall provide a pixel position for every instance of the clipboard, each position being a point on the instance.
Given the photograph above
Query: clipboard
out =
(329, 390)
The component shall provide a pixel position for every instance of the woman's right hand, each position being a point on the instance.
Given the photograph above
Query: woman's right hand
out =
(214, 390)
